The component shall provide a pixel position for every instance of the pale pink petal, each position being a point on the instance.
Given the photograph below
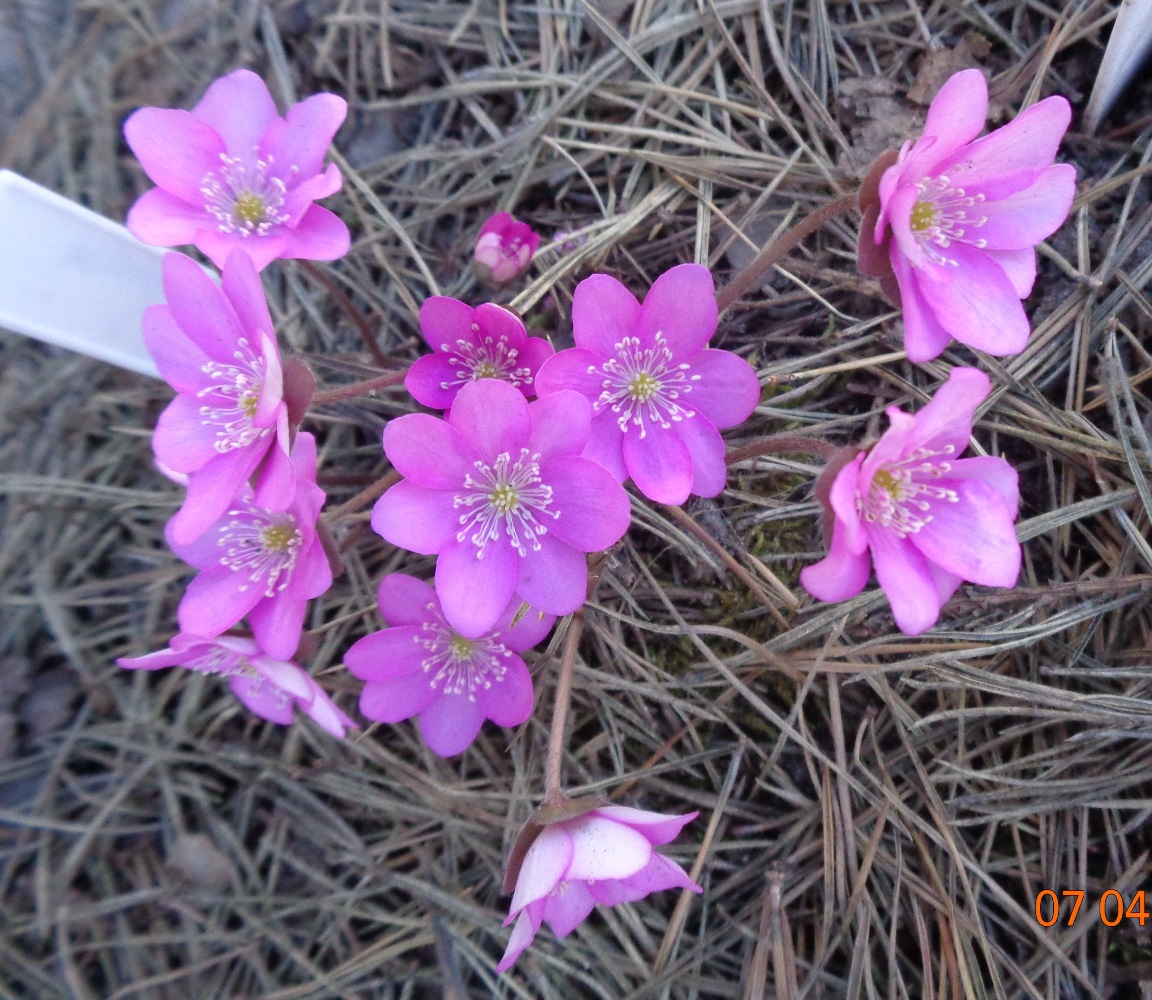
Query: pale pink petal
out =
(561, 423)
(976, 303)
(593, 508)
(211, 491)
(276, 485)
(681, 305)
(924, 337)
(301, 195)
(307, 133)
(241, 284)
(996, 472)
(957, 112)
(155, 661)
(493, 417)
(175, 150)
(946, 583)
(657, 828)
(270, 403)
(432, 381)
(284, 676)
(320, 235)
(842, 498)
(405, 600)
(163, 220)
(523, 934)
(974, 537)
(214, 602)
(444, 321)
(545, 865)
(199, 308)
(906, 580)
(450, 723)
(326, 713)
(554, 579)
(659, 463)
(604, 312)
(397, 699)
(239, 107)
(900, 209)
(387, 655)
(606, 445)
(945, 421)
(602, 848)
(572, 369)
(507, 702)
(473, 592)
(262, 250)
(839, 575)
(262, 698)
(1020, 266)
(428, 451)
(415, 518)
(727, 391)
(1025, 218)
(569, 908)
(659, 874)
(182, 441)
(706, 448)
(526, 633)
(278, 622)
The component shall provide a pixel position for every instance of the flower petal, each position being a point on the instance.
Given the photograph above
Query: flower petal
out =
(240, 283)
(428, 451)
(839, 575)
(906, 580)
(309, 128)
(603, 848)
(163, 220)
(682, 306)
(659, 463)
(593, 508)
(526, 633)
(657, 828)
(523, 934)
(499, 323)
(924, 337)
(706, 447)
(659, 874)
(493, 417)
(278, 622)
(450, 723)
(444, 321)
(397, 699)
(1020, 266)
(386, 655)
(1025, 218)
(473, 592)
(319, 235)
(405, 600)
(217, 246)
(606, 445)
(175, 149)
(569, 908)
(973, 538)
(432, 381)
(957, 112)
(945, 421)
(212, 490)
(415, 518)
(996, 472)
(508, 702)
(561, 423)
(572, 369)
(239, 107)
(182, 441)
(262, 698)
(214, 602)
(727, 390)
(604, 312)
(544, 866)
(554, 579)
(199, 308)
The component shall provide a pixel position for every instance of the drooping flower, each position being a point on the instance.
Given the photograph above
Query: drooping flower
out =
(472, 344)
(604, 855)
(500, 493)
(503, 249)
(232, 172)
(422, 666)
(659, 395)
(959, 219)
(929, 519)
(258, 562)
(216, 347)
(271, 688)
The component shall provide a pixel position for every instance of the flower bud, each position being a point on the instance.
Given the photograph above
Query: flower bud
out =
(503, 249)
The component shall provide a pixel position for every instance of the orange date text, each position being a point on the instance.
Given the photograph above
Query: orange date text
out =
(1064, 907)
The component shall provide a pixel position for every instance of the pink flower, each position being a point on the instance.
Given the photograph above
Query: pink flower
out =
(962, 219)
(504, 249)
(233, 173)
(262, 563)
(216, 347)
(928, 519)
(498, 491)
(602, 856)
(471, 344)
(269, 687)
(659, 395)
(422, 666)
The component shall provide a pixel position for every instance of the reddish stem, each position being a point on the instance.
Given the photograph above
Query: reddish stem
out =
(364, 388)
(782, 443)
(563, 699)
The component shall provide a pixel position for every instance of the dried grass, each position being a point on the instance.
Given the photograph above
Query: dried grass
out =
(878, 813)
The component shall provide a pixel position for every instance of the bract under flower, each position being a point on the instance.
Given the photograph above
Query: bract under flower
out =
(500, 493)
(232, 172)
(961, 218)
(929, 519)
(604, 856)
(422, 666)
(504, 248)
(659, 395)
(269, 687)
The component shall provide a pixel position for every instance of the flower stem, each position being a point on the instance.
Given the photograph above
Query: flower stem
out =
(768, 257)
(364, 497)
(364, 388)
(552, 793)
(354, 314)
(782, 443)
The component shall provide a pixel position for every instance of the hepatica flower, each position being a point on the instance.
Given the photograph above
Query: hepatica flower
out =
(258, 562)
(422, 666)
(472, 344)
(231, 172)
(216, 347)
(961, 217)
(504, 249)
(928, 518)
(659, 395)
(273, 689)
(603, 856)
(500, 493)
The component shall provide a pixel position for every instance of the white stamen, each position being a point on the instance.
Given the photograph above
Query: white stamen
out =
(508, 494)
(240, 384)
(492, 359)
(898, 500)
(940, 218)
(263, 544)
(639, 385)
(459, 665)
(242, 198)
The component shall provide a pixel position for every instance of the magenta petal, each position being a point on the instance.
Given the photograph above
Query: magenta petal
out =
(903, 574)
(554, 579)
(974, 537)
(240, 283)
(1025, 218)
(606, 445)
(604, 312)
(175, 150)
(659, 874)
(945, 421)
(301, 195)
(924, 337)
(262, 250)
(533, 355)
(659, 463)
(523, 934)
(473, 592)
(415, 518)
(544, 866)
(212, 490)
(310, 127)
(444, 321)
(428, 451)
(432, 380)
(976, 302)
(593, 508)
(386, 655)
(319, 235)
(154, 661)
(507, 702)
(561, 423)
(682, 306)
(842, 498)
(239, 107)
(277, 622)
(572, 369)
(450, 723)
(493, 417)
(839, 575)
(214, 602)
(706, 446)
(996, 472)
(397, 699)
(727, 391)
(526, 633)
(1019, 265)
(163, 220)
(498, 323)
(405, 600)
(182, 441)
(657, 828)
(262, 698)
(946, 583)
(957, 113)
(199, 308)
(568, 909)
(276, 487)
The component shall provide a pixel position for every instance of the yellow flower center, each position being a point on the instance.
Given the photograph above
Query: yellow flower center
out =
(461, 648)
(924, 216)
(887, 482)
(643, 387)
(249, 208)
(248, 402)
(504, 498)
(485, 370)
(277, 537)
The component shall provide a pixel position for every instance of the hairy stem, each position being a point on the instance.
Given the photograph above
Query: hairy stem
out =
(552, 793)
(359, 388)
(782, 443)
(364, 497)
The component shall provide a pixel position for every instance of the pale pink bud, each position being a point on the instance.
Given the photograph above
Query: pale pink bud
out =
(504, 249)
